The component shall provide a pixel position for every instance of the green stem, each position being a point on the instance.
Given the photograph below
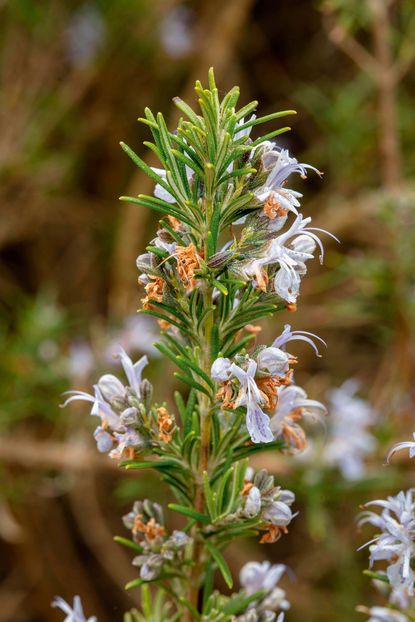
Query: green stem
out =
(205, 407)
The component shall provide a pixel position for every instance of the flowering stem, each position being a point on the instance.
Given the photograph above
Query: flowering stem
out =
(205, 429)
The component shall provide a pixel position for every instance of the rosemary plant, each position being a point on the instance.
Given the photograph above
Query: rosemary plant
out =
(231, 249)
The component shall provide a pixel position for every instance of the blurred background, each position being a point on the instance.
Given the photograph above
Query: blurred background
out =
(74, 78)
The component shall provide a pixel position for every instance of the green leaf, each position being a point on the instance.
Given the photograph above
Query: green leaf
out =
(268, 117)
(192, 383)
(128, 543)
(189, 363)
(190, 512)
(214, 342)
(221, 563)
(273, 134)
(151, 464)
(209, 496)
(239, 172)
(207, 585)
(139, 582)
(246, 110)
(187, 110)
(239, 602)
(144, 167)
(376, 575)
(168, 319)
(220, 287)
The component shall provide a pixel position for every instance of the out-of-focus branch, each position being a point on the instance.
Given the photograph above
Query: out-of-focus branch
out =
(389, 141)
(339, 36)
(217, 33)
(51, 454)
(385, 73)
(87, 511)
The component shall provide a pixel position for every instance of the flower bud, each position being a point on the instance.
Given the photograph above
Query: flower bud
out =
(220, 370)
(129, 416)
(304, 244)
(278, 513)
(104, 440)
(219, 260)
(111, 387)
(146, 392)
(273, 360)
(179, 538)
(264, 481)
(151, 568)
(253, 502)
(286, 496)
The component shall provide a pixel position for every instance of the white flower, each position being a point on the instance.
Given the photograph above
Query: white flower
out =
(292, 405)
(127, 438)
(383, 614)
(292, 258)
(256, 576)
(403, 445)
(395, 542)
(100, 408)
(80, 359)
(85, 35)
(289, 250)
(288, 335)
(138, 333)
(250, 396)
(176, 31)
(73, 614)
(280, 164)
(349, 441)
(107, 392)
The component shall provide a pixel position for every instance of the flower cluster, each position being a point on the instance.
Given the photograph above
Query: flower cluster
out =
(128, 424)
(268, 504)
(158, 549)
(267, 257)
(264, 383)
(395, 542)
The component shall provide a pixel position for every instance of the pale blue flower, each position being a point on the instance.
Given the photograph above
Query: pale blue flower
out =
(403, 445)
(293, 402)
(257, 576)
(349, 440)
(250, 396)
(383, 614)
(132, 370)
(288, 335)
(105, 441)
(396, 541)
(73, 614)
